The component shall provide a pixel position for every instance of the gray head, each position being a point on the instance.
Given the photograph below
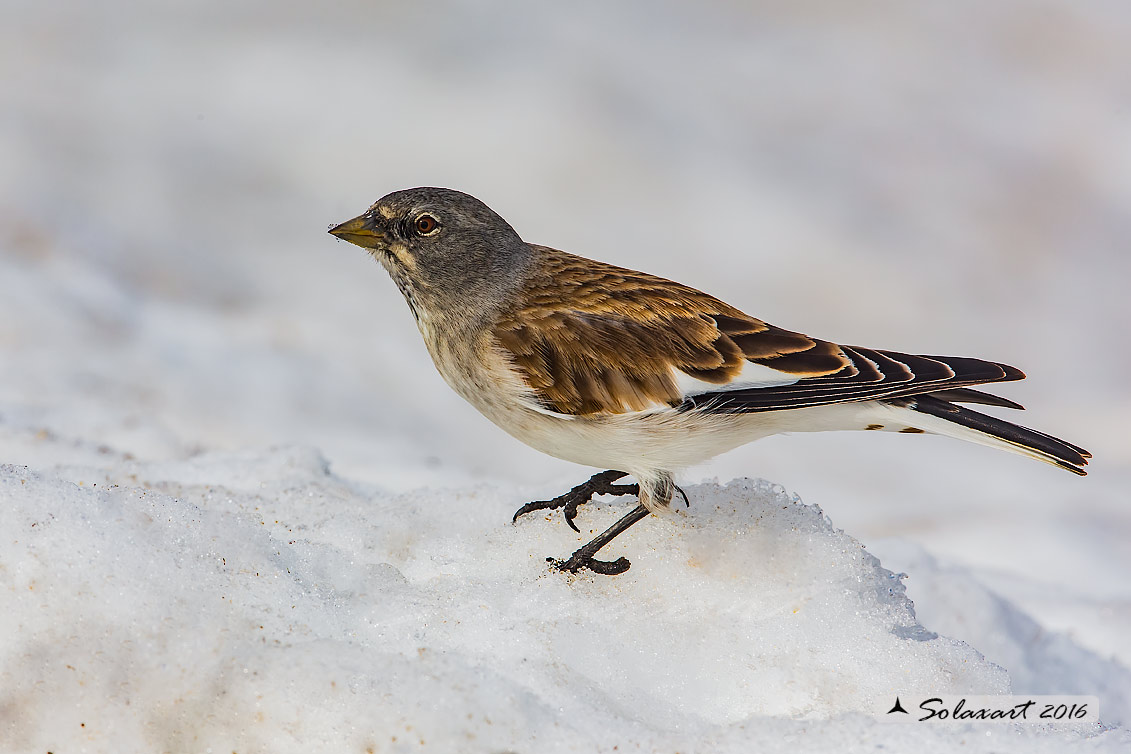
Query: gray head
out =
(450, 254)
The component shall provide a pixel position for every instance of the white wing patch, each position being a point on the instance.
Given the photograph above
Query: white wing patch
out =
(752, 376)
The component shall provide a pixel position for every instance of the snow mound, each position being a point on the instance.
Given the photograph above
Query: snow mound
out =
(957, 603)
(257, 602)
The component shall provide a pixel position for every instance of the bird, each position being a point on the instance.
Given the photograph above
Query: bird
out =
(642, 376)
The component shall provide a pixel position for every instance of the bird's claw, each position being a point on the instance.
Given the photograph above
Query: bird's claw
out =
(598, 484)
(570, 512)
(686, 502)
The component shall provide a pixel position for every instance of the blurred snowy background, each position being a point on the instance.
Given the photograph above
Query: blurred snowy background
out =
(932, 177)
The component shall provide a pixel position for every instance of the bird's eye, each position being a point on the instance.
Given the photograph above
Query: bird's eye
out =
(426, 225)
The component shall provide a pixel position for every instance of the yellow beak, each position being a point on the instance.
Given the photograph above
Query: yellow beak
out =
(359, 231)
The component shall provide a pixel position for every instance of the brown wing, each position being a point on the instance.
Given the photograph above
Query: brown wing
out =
(592, 338)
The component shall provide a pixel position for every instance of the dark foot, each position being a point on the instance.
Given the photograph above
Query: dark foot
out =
(603, 567)
(583, 558)
(598, 484)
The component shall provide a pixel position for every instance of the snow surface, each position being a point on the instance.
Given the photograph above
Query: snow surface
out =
(241, 512)
(257, 602)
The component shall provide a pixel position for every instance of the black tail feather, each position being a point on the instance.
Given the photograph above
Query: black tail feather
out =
(1053, 449)
(967, 395)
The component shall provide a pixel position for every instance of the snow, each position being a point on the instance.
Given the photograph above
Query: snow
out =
(258, 602)
(239, 511)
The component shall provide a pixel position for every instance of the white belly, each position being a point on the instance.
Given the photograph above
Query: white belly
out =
(643, 442)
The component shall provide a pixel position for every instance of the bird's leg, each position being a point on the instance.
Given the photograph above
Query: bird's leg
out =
(598, 484)
(583, 558)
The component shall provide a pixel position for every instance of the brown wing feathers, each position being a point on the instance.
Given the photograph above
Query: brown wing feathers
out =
(579, 364)
(616, 346)
(777, 348)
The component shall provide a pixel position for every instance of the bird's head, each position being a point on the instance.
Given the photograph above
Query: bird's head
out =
(451, 255)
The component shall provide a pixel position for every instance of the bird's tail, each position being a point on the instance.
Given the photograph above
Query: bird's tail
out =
(944, 418)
